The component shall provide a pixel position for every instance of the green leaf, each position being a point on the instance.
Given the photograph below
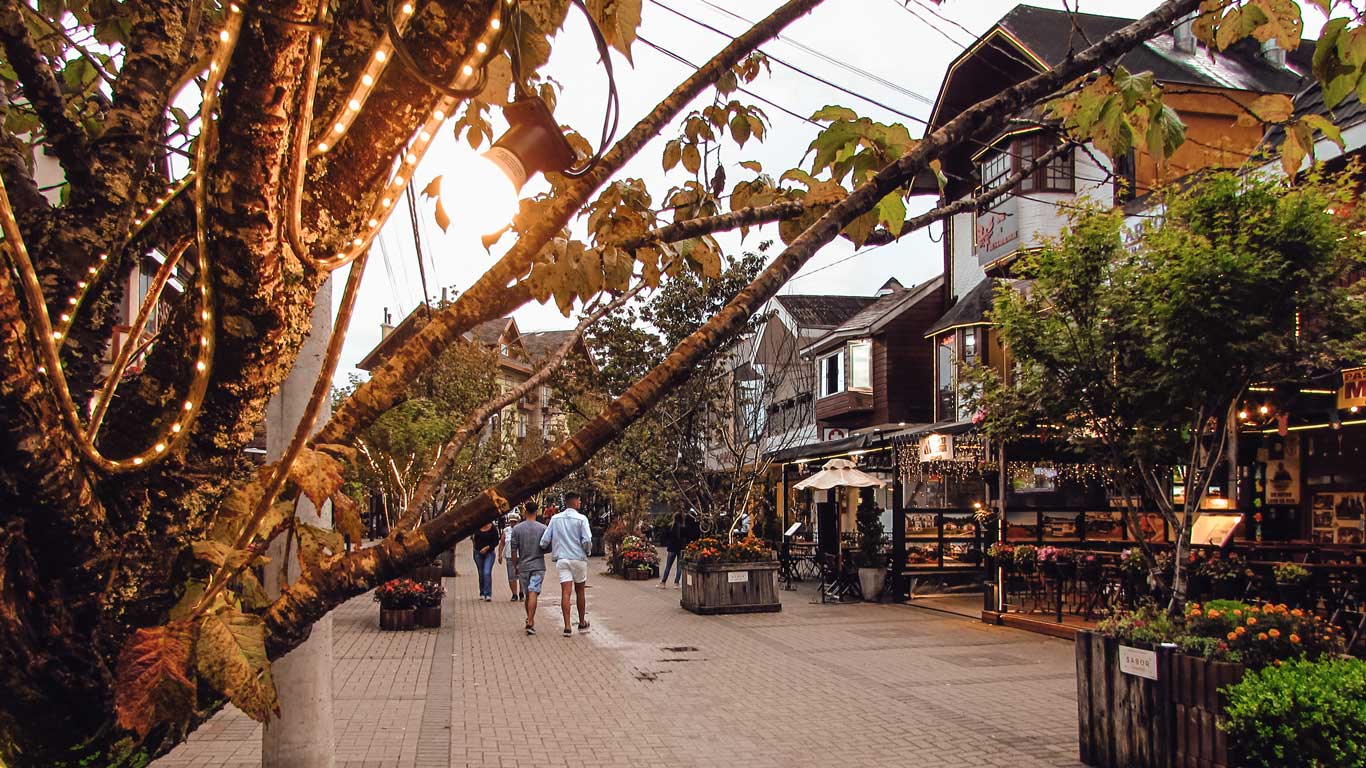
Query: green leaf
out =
(833, 113)
(739, 129)
(230, 656)
(891, 212)
(1326, 127)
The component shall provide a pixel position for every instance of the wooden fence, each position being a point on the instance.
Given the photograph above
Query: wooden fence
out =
(1129, 721)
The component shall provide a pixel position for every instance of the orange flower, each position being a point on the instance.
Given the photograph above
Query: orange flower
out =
(1241, 630)
(1295, 639)
(1195, 611)
(1214, 613)
(1233, 635)
(1251, 620)
(1297, 613)
(1261, 635)
(1274, 632)
(1237, 611)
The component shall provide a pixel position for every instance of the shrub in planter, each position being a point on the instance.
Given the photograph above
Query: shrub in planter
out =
(398, 600)
(1258, 635)
(1025, 558)
(1001, 554)
(429, 604)
(1301, 714)
(1056, 562)
(1292, 584)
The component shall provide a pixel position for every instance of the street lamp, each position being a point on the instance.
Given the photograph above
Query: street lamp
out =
(486, 188)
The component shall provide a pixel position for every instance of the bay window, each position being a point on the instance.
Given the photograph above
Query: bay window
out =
(831, 370)
(860, 364)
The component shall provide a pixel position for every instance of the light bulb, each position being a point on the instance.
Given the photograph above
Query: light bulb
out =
(482, 191)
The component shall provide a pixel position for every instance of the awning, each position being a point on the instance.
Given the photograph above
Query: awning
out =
(938, 428)
(825, 448)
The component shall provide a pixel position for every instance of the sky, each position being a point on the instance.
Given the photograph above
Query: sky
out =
(891, 55)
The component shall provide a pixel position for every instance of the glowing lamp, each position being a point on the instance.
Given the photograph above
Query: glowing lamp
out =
(532, 144)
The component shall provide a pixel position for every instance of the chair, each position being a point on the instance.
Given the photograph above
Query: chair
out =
(836, 586)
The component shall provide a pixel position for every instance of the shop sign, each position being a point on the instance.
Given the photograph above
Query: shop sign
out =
(996, 233)
(1353, 391)
(737, 577)
(1138, 662)
(936, 448)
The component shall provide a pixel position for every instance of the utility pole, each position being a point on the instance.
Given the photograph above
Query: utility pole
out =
(301, 737)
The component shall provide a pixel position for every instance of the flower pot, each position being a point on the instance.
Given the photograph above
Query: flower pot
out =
(429, 616)
(635, 574)
(447, 559)
(397, 619)
(427, 573)
(871, 581)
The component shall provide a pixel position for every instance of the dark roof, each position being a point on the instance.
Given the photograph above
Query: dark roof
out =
(490, 332)
(885, 307)
(1309, 101)
(1051, 36)
(540, 344)
(486, 333)
(1049, 33)
(972, 309)
(820, 311)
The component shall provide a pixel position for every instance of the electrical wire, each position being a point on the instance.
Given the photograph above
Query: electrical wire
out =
(612, 114)
(795, 68)
(408, 60)
(682, 60)
(876, 78)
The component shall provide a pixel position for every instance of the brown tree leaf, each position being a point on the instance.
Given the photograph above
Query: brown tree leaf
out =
(317, 546)
(317, 474)
(152, 684)
(230, 656)
(346, 517)
(1271, 108)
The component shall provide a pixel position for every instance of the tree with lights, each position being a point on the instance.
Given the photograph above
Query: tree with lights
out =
(256, 147)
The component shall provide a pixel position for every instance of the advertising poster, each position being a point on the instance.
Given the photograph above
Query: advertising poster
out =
(1283, 473)
(1338, 518)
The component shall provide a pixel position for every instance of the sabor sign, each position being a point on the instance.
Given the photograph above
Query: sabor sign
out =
(737, 577)
(1138, 662)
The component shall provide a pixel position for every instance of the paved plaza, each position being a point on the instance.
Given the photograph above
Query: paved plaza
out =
(652, 685)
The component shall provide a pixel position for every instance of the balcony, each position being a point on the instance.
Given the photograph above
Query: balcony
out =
(843, 404)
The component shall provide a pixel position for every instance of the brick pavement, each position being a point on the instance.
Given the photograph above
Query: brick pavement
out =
(652, 685)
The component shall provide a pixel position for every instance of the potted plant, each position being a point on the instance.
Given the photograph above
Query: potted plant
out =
(1133, 574)
(1025, 558)
(735, 577)
(638, 559)
(1228, 577)
(431, 572)
(1001, 554)
(872, 573)
(398, 600)
(1292, 584)
(429, 596)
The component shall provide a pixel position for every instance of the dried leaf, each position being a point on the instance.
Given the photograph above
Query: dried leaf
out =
(346, 517)
(230, 656)
(317, 474)
(1271, 108)
(692, 159)
(317, 546)
(152, 684)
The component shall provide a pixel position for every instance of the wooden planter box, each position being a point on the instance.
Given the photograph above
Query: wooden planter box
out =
(397, 619)
(713, 588)
(635, 574)
(447, 559)
(1130, 721)
(427, 574)
(429, 617)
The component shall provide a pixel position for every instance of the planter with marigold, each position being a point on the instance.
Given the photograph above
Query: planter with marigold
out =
(730, 577)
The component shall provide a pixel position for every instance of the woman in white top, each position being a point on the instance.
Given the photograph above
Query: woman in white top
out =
(505, 553)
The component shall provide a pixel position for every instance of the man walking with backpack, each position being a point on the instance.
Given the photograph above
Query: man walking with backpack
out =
(569, 540)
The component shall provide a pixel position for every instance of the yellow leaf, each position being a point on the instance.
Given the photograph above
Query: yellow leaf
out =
(317, 474)
(317, 546)
(230, 656)
(346, 517)
(1271, 108)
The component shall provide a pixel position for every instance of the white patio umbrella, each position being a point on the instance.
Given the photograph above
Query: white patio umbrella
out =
(838, 472)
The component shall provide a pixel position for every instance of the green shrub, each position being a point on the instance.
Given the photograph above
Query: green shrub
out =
(1147, 625)
(1301, 714)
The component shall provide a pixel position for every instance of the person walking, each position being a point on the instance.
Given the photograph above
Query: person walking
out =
(505, 554)
(675, 539)
(485, 542)
(526, 551)
(569, 539)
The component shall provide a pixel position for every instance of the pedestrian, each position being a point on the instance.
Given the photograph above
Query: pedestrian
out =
(485, 542)
(569, 539)
(527, 552)
(505, 553)
(675, 539)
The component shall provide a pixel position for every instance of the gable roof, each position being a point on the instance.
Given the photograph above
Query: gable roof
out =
(972, 309)
(488, 333)
(1029, 39)
(821, 311)
(873, 317)
(1347, 114)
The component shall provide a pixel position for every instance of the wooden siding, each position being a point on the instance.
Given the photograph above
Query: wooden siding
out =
(903, 364)
(845, 403)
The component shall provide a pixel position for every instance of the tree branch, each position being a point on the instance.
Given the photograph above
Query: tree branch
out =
(66, 136)
(313, 596)
(490, 296)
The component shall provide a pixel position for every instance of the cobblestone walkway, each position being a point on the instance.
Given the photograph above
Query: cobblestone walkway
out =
(652, 685)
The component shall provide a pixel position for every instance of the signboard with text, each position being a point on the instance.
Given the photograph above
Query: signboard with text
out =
(1138, 662)
(996, 232)
(936, 448)
(1353, 391)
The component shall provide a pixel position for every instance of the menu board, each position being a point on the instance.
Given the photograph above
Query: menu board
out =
(1339, 517)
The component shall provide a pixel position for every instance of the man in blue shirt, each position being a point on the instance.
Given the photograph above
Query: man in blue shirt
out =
(530, 559)
(569, 540)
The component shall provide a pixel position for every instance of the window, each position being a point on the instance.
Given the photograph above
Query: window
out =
(1057, 174)
(521, 427)
(970, 354)
(944, 378)
(993, 167)
(831, 368)
(860, 364)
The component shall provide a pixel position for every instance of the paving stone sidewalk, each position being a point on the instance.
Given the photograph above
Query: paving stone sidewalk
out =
(652, 685)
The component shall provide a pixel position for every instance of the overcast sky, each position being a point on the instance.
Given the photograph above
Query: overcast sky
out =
(876, 48)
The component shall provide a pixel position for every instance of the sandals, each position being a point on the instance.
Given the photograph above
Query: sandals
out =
(583, 626)
(568, 632)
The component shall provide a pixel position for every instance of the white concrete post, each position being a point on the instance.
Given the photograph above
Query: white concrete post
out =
(301, 737)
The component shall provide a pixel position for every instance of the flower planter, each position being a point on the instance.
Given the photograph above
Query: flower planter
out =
(717, 588)
(871, 581)
(1127, 720)
(429, 617)
(635, 574)
(447, 559)
(397, 619)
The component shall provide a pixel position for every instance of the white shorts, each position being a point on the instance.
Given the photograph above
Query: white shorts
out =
(572, 570)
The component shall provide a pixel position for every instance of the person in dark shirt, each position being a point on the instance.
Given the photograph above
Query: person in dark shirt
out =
(485, 543)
